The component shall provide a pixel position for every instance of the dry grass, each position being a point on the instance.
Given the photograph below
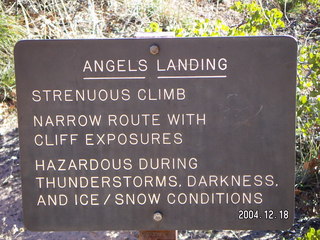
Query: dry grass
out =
(51, 19)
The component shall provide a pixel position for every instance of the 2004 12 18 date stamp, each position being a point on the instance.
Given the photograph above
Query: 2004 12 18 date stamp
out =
(267, 214)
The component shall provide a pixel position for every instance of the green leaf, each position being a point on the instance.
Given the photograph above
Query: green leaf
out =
(303, 99)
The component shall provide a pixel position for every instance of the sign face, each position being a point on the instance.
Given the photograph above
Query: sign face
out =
(157, 134)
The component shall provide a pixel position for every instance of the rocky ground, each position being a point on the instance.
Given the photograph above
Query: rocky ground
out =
(11, 219)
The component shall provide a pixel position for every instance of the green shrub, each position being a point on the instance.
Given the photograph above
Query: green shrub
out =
(10, 33)
(308, 102)
(312, 234)
(257, 20)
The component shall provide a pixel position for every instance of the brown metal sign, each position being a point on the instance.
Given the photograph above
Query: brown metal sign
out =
(157, 134)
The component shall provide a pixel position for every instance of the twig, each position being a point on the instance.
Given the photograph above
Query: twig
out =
(285, 11)
(25, 19)
(307, 38)
(236, 235)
